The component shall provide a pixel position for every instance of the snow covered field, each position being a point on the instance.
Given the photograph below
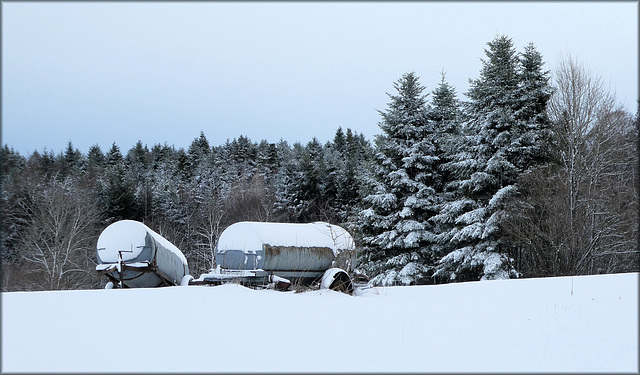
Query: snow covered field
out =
(579, 324)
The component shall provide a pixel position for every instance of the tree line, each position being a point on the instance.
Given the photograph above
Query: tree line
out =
(527, 177)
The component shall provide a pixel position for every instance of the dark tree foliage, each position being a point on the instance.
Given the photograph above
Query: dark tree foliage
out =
(117, 196)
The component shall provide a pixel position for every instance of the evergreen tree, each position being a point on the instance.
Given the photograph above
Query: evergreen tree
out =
(114, 156)
(398, 237)
(94, 171)
(485, 175)
(447, 116)
(284, 180)
(71, 162)
(138, 159)
(138, 163)
(46, 163)
(162, 155)
(298, 197)
(267, 159)
(531, 146)
(117, 196)
(339, 140)
(183, 171)
(346, 153)
(315, 189)
(11, 162)
(95, 159)
(198, 151)
(243, 153)
(13, 203)
(320, 182)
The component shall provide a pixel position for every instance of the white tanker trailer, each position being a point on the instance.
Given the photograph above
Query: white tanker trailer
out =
(132, 255)
(258, 253)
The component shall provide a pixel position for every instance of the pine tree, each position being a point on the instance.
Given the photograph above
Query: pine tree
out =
(531, 146)
(314, 186)
(447, 116)
(243, 154)
(267, 160)
(11, 162)
(445, 109)
(198, 151)
(162, 155)
(45, 163)
(95, 159)
(485, 176)
(14, 200)
(351, 153)
(71, 162)
(138, 163)
(339, 140)
(117, 196)
(398, 238)
(286, 180)
(138, 159)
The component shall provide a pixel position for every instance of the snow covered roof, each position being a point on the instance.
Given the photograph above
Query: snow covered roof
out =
(250, 236)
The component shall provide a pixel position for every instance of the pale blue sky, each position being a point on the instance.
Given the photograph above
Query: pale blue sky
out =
(104, 72)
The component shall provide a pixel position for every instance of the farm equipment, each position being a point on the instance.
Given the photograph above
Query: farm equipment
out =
(255, 254)
(132, 255)
(259, 254)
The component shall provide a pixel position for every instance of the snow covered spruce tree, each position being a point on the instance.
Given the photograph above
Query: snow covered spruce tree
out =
(346, 158)
(447, 118)
(306, 187)
(397, 236)
(501, 139)
(532, 136)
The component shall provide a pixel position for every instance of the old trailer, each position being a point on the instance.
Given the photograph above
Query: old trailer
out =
(256, 254)
(132, 255)
(278, 254)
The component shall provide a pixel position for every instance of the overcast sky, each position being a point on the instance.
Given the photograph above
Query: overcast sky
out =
(104, 72)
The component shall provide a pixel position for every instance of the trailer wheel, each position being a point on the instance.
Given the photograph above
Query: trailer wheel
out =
(337, 279)
(186, 279)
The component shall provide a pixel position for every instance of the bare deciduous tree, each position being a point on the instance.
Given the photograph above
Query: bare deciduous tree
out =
(580, 215)
(209, 227)
(249, 200)
(59, 241)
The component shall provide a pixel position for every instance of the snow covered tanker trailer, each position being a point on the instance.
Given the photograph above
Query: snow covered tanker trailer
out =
(132, 255)
(279, 254)
(255, 254)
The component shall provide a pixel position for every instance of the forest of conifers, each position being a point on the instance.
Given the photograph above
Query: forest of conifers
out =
(531, 173)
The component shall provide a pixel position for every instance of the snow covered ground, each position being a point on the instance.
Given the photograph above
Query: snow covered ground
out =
(567, 324)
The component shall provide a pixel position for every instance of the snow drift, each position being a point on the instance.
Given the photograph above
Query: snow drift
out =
(566, 324)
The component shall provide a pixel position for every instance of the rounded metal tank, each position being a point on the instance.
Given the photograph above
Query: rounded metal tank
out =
(290, 250)
(145, 258)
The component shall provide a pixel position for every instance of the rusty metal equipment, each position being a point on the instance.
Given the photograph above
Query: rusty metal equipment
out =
(260, 253)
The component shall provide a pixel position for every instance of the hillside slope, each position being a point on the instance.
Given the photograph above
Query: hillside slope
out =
(566, 324)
